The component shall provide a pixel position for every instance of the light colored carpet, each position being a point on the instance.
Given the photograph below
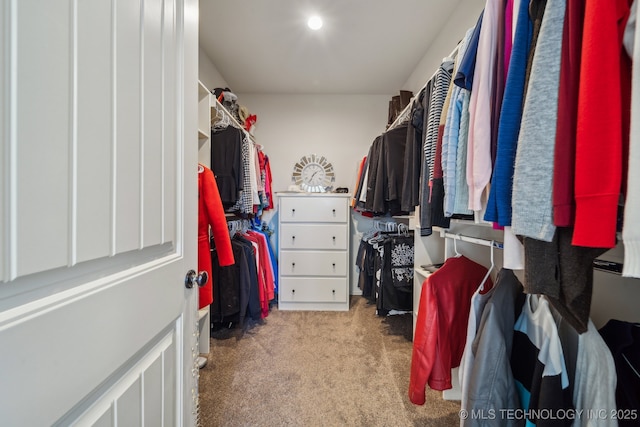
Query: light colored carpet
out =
(317, 369)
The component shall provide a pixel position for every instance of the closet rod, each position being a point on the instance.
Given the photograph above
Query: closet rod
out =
(476, 240)
(608, 266)
(405, 110)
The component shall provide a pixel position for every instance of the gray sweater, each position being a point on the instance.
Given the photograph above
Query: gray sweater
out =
(533, 175)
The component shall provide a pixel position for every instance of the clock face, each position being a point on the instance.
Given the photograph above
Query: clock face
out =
(313, 173)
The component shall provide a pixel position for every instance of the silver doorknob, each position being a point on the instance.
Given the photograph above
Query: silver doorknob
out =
(192, 278)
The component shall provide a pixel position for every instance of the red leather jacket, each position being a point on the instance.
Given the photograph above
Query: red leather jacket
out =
(441, 326)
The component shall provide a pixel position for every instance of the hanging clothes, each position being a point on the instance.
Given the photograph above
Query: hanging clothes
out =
(623, 339)
(499, 202)
(394, 287)
(385, 264)
(631, 229)
(226, 163)
(487, 378)
(443, 314)
(533, 172)
(537, 361)
(451, 135)
(210, 216)
(247, 287)
(602, 139)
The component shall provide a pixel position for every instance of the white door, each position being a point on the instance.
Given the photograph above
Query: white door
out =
(98, 216)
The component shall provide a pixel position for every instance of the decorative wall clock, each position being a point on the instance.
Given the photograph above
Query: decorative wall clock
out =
(313, 173)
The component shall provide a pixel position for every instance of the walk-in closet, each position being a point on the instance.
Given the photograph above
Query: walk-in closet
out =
(320, 213)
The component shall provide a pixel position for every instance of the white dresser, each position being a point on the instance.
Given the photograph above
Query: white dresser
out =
(313, 261)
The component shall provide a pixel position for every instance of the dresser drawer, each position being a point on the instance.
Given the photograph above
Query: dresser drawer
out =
(308, 263)
(313, 209)
(313, 236)
(318, 289)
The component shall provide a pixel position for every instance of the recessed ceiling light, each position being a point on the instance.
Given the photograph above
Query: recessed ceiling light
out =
(315, 22)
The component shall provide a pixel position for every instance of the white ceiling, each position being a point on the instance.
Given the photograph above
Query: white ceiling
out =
(364, 47)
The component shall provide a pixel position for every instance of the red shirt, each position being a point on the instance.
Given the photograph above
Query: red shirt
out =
(603, 122)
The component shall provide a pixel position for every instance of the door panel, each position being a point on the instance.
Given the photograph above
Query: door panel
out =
(94, 122)
(40, 137)
(152, 133)
(170, 106)
(128, 144)
(97, 222)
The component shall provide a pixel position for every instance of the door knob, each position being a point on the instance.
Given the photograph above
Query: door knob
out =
(192, 279)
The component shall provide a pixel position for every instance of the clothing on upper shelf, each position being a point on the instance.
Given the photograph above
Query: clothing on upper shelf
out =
(602, 139)
(387, 181)
(451, 167)
(412, 155)
(565, 147)
(499, 203)
(481, 106)
(432, 185)
(242, 171)
(226, 163)
(210, 217)
(532, 214)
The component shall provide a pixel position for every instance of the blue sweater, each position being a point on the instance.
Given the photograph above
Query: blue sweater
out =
(499, 203)
(467, 67)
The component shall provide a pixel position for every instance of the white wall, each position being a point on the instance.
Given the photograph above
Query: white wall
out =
(462, 18)
(208, 74)
(339, 127)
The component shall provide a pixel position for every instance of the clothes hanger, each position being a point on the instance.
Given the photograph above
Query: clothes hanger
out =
(630, 365)
(455, 246)
(484, 280)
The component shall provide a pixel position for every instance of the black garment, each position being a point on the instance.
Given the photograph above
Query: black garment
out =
(236, 294)
(385, 262)
(361, 185)
(389, 185)
(399, 256)
(253, 293)
(562, 272)
(364, 262)
(226, 163)
(226, 292)
(623, 339)
(412, 156)
(373, 157)
(425, 214)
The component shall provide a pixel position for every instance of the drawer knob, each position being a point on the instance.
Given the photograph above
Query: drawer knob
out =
(293, 265)
(334, 265)
(334, 238)
(293, 212)
(293, 291)
(334, 291)
(334, 212)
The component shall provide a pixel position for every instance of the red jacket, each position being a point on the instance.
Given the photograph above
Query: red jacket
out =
(441, 326)
(211, 214)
